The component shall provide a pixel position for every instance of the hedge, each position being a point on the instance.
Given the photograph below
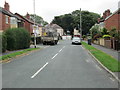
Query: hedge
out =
(17, 38)
(4, 42)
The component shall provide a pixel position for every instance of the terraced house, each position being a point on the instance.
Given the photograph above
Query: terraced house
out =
(8, 19)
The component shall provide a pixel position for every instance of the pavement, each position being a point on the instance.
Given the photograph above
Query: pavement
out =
(111, 52)
(31, 46)
(59, 66)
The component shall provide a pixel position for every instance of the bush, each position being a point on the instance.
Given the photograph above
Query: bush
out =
(104, 31)
(17, 38)
(3, 42)
(106, 36)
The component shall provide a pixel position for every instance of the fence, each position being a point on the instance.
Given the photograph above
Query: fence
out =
(108, 42)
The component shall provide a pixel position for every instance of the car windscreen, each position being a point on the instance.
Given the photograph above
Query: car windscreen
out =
(76, 38)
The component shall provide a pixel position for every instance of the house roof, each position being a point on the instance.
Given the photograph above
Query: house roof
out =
(54, 26)
(23, 18)
(117, 11)
(51, 27)
(6, 12)
(2, 10)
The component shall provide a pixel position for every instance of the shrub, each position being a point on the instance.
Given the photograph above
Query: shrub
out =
(113, 32)
(104, 31)
(106, 36)
(17, 38)
(3, 44)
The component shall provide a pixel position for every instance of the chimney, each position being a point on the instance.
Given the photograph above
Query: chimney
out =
(6, 6)
(104, 15)
(107, 12)
(27, 16)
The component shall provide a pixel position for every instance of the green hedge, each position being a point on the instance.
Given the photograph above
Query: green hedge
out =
(17, 38)
(4, 42)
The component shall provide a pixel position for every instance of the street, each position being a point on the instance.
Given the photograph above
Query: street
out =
(59, 66)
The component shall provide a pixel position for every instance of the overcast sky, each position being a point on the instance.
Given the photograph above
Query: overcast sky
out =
(50, 8)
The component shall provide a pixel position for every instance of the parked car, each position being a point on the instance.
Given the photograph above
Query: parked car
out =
(76, 40)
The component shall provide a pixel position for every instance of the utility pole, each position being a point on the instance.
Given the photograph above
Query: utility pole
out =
(80, 24)
(34, 25)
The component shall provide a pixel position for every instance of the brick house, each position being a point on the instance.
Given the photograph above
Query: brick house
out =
(5, 17)
(28, 24)
(113, 21)
(110, 21)
(8, 19)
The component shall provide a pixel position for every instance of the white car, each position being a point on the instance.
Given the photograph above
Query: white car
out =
(76, 40)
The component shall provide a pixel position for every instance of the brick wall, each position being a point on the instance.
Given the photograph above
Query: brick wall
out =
(4, 24)
(0, 21)
(28, 26)
(113, 22)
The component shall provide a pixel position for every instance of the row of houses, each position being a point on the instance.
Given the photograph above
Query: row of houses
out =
(10, 20)
(109, 21)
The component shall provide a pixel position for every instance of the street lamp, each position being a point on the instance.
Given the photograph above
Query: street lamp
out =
(80, 24)
(34, 25)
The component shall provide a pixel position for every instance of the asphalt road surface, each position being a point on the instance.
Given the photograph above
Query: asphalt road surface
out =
(60, 66)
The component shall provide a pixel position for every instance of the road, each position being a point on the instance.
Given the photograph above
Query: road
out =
(60, 66)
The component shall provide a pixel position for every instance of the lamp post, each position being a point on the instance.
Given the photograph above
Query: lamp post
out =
(80, 24)
(34, 25)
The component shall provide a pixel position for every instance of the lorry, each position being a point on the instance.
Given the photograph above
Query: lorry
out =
(50, 36)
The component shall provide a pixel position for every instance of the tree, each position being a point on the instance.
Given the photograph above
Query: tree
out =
(65, 21)
(71, 21)
(88, 20)
(38, 19)
(95, 32)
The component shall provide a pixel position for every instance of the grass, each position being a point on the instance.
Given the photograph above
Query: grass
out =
(107, 60)
(12, 55)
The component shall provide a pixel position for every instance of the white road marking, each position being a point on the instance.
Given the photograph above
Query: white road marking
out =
(112, 79)
(60, 50)
(54, 56)
(98, 67)
(39, 70)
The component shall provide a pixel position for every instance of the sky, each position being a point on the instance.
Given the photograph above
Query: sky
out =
(47, 9)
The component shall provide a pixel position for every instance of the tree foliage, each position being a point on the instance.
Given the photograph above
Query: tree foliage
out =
(65, 21)
(72, 20)
(38, 19)
(95, 32)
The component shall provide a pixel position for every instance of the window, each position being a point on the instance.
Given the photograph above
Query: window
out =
(13, 21)
(6, 17)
